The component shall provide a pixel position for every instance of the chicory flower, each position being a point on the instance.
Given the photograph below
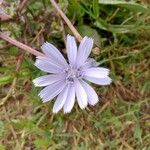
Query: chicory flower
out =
(66, 80)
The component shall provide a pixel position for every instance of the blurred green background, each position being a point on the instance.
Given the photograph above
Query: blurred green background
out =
(120, 121)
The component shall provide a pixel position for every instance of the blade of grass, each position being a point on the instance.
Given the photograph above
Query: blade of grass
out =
(132, 6)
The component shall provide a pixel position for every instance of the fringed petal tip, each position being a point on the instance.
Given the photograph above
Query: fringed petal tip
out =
(45, 44)
(67, 112)
(34, 82)
(55, 112)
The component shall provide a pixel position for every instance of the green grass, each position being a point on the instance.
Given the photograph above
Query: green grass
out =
(120, 121)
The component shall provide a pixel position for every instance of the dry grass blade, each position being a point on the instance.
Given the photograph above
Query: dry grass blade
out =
(68, 22)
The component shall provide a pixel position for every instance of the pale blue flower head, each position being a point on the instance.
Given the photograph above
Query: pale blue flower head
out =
(67, 81)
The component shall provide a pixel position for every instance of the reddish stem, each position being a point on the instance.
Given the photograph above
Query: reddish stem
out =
(20, 45)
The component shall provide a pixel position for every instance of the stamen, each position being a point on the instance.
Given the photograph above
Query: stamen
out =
(72, 73)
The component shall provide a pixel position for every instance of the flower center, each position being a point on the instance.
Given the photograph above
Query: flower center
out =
(72, 73)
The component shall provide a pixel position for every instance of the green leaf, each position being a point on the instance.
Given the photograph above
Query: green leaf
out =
(96, 8)
(88, 31)
(118, 28)
(13, 50)
(6, 79)
(138, 133)
(72, 7)
(132, 6)
(41, 143)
